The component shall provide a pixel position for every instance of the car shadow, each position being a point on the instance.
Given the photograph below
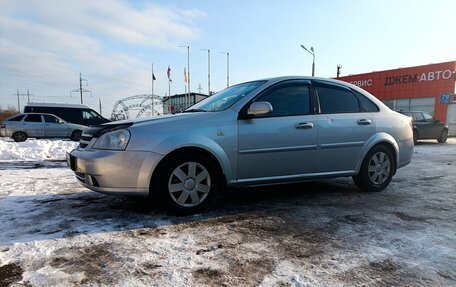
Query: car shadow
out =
(44, 217)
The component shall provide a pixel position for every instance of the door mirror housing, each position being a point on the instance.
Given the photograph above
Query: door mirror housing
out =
(259, 108)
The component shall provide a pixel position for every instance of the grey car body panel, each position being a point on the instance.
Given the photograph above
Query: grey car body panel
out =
(41, 129)
(253, 151)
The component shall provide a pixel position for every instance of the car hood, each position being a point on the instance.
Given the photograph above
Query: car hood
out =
(98, 130)
(158, 119)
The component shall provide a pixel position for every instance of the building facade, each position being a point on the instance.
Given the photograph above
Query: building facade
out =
(179, 102)
(429, 88)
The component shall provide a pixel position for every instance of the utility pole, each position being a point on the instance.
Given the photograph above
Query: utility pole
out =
(338, 70)
(199, 88)
(208, 71)
(227, 68)
(153, 79)
(81, 90)
(188, 70)
(18, 102)
(18, 98)
(28, 96)
(99, 102)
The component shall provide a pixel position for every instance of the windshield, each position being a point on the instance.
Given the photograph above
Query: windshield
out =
(225, 98)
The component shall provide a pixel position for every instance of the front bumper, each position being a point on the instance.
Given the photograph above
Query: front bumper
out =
(114, 172)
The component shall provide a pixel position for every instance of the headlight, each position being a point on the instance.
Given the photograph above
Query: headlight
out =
(115, 140)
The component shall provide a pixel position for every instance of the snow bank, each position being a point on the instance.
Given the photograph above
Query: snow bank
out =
(33, 149)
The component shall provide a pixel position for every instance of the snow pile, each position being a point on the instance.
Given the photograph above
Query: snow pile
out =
(32, 149)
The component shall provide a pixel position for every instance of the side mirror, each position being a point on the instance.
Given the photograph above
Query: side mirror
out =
(259, 108)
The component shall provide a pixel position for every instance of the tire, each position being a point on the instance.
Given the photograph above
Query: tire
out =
(19, 136)
(443, 136)
(377, 170)
(415, 137)
(187, 183)
(76, 135)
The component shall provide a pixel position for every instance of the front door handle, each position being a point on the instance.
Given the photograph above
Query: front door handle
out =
(304, 125)
(364, 122)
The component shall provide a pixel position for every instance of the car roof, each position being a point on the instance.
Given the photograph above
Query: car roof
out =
(24, 114)
(57, 105)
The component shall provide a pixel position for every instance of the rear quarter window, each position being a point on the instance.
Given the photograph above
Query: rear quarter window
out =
(17, 118)
(366, 104)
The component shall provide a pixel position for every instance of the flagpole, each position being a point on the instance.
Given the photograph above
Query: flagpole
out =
(168, 72)
(169, 94)
(153, 89)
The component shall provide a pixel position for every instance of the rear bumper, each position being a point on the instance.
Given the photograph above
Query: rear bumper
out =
(114, 172)
(406, 148)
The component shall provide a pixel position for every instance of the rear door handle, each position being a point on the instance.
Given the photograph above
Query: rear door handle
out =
(364, 122)
(304, 125)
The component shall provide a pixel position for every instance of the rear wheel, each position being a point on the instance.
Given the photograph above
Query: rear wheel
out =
(188, 182)
(19, 136)
(443, 137)
(76, 135)
(376, 170)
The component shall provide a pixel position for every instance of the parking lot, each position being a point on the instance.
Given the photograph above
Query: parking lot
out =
(322, 233)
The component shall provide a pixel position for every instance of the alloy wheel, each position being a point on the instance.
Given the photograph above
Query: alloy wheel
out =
(189, 184)
(379, 168)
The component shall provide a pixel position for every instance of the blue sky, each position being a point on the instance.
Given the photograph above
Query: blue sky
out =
(44, 45)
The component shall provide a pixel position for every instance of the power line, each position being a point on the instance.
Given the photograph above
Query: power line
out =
(81, 90)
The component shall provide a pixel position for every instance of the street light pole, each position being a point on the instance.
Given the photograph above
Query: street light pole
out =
(208, 71)
(227, 68)
(312, 52)
(188, 72)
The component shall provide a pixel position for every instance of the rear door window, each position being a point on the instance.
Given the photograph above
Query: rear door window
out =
(336, 100)
(33, 118)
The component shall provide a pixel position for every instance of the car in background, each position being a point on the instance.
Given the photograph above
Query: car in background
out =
(427, 127)
(39, 125)
(72, 113)
(271, 131)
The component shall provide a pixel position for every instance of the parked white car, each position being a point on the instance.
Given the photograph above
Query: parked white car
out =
(39, 125)
(277, 130)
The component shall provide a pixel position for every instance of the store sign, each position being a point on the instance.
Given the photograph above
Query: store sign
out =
(362, 83)
(424, 77)
(445, 99)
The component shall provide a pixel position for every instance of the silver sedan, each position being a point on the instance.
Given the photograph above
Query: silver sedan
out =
(285, 129)
(39, 125)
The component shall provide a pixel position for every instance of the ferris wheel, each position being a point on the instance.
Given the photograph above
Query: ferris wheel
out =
(136, 106)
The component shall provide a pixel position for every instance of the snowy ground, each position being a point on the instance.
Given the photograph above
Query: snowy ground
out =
(325, 233)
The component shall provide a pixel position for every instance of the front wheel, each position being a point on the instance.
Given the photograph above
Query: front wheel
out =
(187, 183)
(376, 170)
(443, 137)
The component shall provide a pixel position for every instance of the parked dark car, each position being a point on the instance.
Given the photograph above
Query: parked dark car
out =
(72, 113)
(427, 127)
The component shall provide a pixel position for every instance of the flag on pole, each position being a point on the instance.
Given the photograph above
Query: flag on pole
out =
(153, 77)
(169, 73)
(185, 75)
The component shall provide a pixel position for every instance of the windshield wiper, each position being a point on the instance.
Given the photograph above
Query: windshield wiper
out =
(194, 111)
